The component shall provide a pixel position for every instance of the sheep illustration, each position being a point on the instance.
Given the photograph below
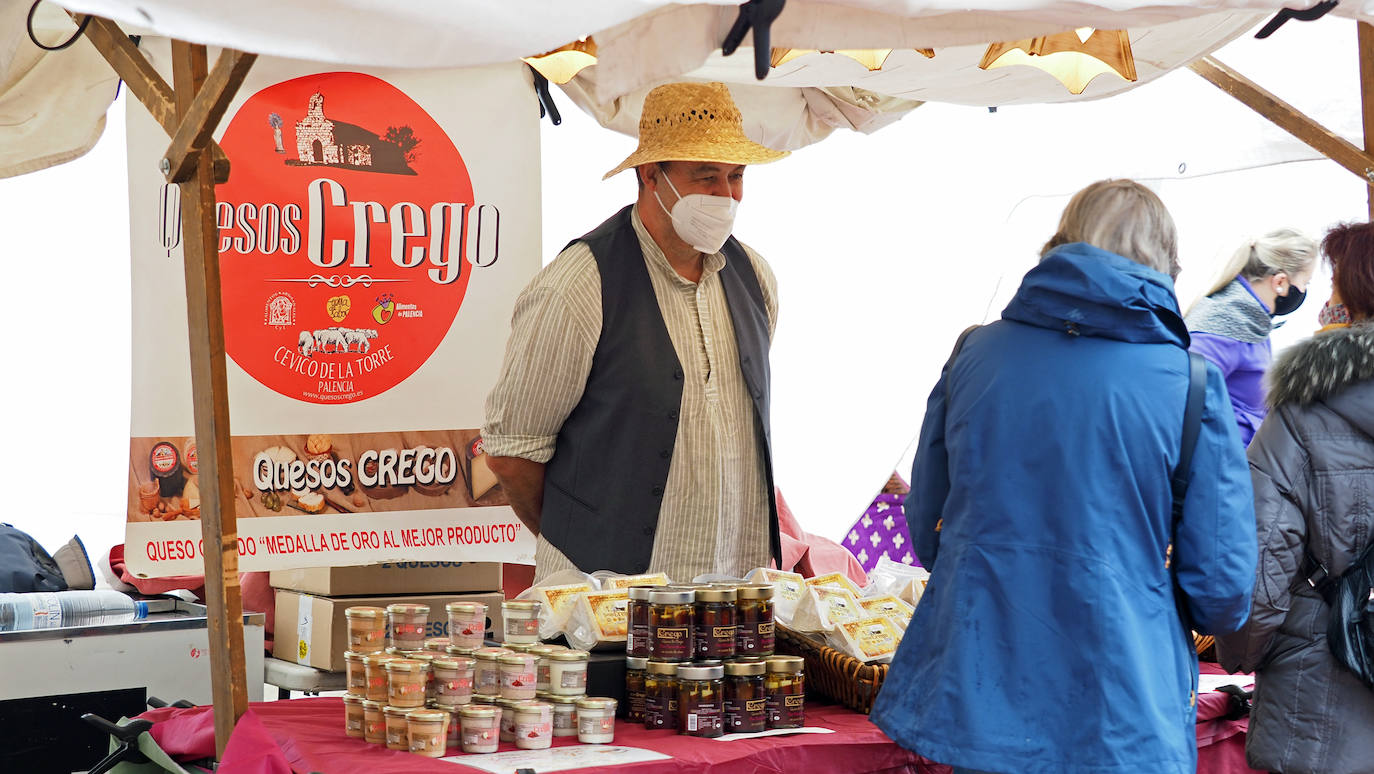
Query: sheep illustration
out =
(358, 339)
(306, 344)
(330, 340)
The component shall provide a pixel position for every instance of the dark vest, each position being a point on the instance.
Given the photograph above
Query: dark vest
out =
(603, 488)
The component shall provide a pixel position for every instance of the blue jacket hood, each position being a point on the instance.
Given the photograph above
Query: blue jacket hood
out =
(1084, 289)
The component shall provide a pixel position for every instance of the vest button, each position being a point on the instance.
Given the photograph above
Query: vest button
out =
(648, 531)
(656, 491)
(672, 415)
(677, 374)
(665, 454)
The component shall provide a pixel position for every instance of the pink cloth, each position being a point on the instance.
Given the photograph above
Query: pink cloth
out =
(812, 555)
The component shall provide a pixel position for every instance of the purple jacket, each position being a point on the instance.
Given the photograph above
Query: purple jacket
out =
(1231, 328)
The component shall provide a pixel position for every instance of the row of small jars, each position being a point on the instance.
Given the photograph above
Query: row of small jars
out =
(452, 678)
(478, 727)
(402, 626)
(712, 698)
(715, 622)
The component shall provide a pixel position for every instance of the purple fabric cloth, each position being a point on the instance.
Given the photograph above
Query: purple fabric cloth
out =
(882, 530)
(1243, 365)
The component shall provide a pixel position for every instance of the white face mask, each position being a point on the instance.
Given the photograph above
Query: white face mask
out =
(702, 220)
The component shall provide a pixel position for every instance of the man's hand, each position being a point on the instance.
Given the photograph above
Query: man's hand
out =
(523, 481)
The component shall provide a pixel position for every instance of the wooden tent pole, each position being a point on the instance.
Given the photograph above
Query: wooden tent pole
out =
(1366, 50)
(1287, 117)
(205, 319)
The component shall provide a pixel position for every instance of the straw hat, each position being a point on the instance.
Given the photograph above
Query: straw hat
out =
(694, 122)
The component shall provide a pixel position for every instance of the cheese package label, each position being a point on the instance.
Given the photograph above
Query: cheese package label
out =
(558, 605)
(887, 604)
(599, 620)
(835, 579)
(868, 639)
(626, 581)
(822, 607)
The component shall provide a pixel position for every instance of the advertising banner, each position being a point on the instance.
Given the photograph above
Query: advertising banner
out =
(373, 235)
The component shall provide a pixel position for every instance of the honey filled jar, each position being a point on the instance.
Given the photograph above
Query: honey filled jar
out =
(785, 686)
(635, 672)
(714, 627)
(754, 614)
(746, 710)
(637, 621)
(671, 620)
(660, 695)
(700, 700)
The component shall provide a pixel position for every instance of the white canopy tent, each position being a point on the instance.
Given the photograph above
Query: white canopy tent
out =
(51, 104)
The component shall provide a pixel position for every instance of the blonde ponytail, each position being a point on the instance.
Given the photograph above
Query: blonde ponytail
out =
(1284, 250)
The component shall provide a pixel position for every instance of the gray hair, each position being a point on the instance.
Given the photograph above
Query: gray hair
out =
(1281, 251)
(1122, 217)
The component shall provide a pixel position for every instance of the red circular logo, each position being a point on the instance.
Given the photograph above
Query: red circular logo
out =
(163, 458)
(342, 234)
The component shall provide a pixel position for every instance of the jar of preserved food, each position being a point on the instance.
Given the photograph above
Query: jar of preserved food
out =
(453, 680)
(596, 720)
(754, 605)
(467, 624)
(633, 706)
(374, 669)
(354, 716)
(407, 624)
(700, 700)
(670, 624)
(397, 733)
(486, 671)
(355, 673)
(564, 713)
(746, 709)
(660, 694)
(637, 624)
(428, 732)
(568, 672)
(785, 685)
(517, 676)
(438, 645)
(714, 624)
(541, 665)
(481, 728)
(533, 725)
(374, 722)
(521, 620)
(407, 681)
(366, 629)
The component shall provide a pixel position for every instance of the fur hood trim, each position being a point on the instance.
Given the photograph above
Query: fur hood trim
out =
(1323, 365)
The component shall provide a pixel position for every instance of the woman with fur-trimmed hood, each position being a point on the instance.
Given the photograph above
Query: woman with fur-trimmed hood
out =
(1312, 466)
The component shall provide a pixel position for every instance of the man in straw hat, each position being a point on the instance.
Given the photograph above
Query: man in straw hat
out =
(629, 425)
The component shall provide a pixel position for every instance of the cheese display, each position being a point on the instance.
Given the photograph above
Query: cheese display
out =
(788, 588)
(599, 620)
(823, 607)
(890, 605)
(872, 639)
(625, 581)
(480, 478)
(835, 579)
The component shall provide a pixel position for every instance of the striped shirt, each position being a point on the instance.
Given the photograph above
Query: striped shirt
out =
(714, 516)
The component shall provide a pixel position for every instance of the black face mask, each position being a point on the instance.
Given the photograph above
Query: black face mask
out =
(1289, 304)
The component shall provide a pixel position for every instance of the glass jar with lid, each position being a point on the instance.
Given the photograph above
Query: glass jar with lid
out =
(660, 694)
(754, 611)
(700, 700)
(467, 624)
(521, 620)
(635, 672)
(407, 681)
(637, 621)
(714, 626)
(670, 624)
(486, 673)
(596, 720)
(564, 713)
(746, 710)
(517, 676)
(406, 622)
(541, 666)
(785, 686)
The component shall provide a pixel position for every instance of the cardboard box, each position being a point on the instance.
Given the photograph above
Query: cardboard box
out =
(312, 630)
(392, 578)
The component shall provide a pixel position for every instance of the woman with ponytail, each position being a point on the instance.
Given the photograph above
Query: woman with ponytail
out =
(1230, 326)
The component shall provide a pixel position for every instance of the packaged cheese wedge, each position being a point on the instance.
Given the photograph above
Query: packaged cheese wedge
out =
(822, 607)
(558, 597)
(889, 605)
(787, 591)
(611, 581)
(599, 620)
(914, 589)
(835, 579)
(872, 639)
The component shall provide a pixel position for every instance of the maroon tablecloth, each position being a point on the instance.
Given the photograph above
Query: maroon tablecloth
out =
(306, 735)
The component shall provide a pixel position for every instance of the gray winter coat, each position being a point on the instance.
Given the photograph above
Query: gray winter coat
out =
(1312, 465)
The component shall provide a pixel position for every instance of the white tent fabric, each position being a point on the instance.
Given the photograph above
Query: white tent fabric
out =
(56, 101)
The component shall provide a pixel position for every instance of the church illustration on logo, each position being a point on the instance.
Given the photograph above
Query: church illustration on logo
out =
(322, 141)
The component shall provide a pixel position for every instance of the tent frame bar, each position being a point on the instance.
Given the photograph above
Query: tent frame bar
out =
(189, 112)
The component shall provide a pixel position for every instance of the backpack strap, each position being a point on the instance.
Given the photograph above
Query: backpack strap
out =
(1178, 482)
(958, 345)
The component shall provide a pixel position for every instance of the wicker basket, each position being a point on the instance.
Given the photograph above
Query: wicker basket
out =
(832, 674)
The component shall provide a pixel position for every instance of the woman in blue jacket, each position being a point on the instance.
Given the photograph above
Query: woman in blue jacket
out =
(1048, 640)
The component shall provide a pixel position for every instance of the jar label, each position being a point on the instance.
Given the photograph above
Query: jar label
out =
(595, 726)
(458, 687)
(747, 715)
(534, 730)
(355, 724)
(542, 678)
(573, 678)
(517, 679)
(486, 680)
(522, 627)
(672, 643)
(478, 737)
(704, 719)
(660, 714)
(755, 638)
(564, 721)
(786, 710)
(637, 642)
